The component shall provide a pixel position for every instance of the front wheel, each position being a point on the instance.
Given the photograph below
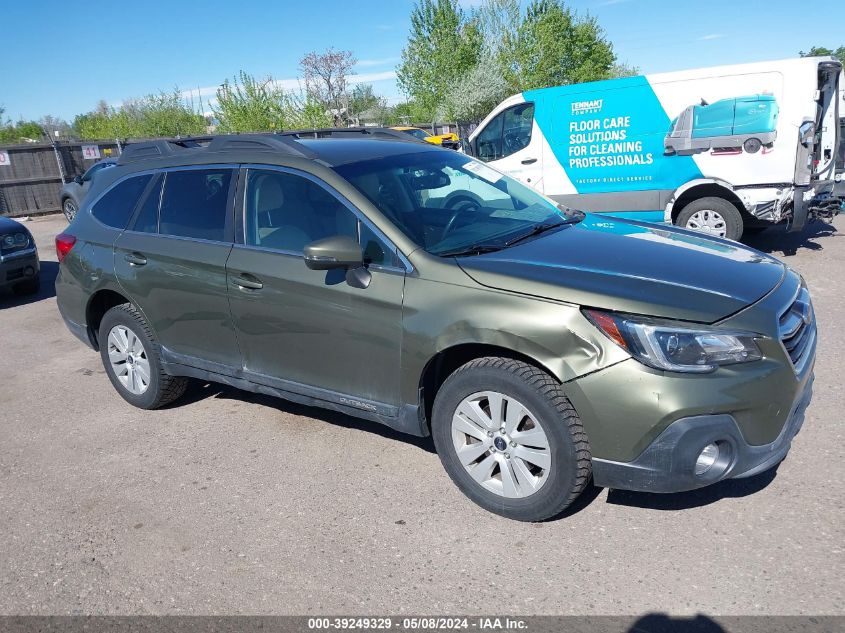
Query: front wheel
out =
(510, 439)
(713, 216)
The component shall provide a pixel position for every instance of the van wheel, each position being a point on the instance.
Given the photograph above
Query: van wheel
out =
(752, 145)
(510, 439)
(132, 360)
(713, 216)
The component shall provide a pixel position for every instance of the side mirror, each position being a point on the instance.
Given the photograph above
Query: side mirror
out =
(77, 180)
(338, 251)
(466, 147)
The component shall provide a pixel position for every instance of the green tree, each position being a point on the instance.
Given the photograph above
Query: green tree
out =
(478, 92)
(622, 69)
(164, 114)
(20, 132)
(247, 104)
(442, 47)
(555, 47)
(821, 51)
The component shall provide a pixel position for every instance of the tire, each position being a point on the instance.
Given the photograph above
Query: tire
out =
(701, 212)
(69, 208)
(28, 287)
(541, 492)
(752, 145)
(160, 388)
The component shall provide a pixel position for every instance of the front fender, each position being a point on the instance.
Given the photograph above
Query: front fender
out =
(698, 182)
(556, 336)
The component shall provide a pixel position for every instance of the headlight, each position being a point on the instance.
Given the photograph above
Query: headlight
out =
(675, 346)
(14, 240)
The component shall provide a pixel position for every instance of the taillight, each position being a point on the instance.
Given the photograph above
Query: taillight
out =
(64, 243)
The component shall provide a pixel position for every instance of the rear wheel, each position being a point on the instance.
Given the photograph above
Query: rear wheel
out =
(510, 440)
(132, 360)
(752, 145)
(713, 216)
(69, 209)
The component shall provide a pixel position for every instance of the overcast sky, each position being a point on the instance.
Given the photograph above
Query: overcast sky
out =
(62, 57)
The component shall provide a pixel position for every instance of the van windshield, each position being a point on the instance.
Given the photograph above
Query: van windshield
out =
(452, 205)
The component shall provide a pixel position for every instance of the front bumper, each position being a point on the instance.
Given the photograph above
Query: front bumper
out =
(18, 267)
(667, 465)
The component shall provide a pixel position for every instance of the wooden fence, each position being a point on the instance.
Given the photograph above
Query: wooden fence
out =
(32, 174)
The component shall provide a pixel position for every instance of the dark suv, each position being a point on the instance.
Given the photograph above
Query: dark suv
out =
(419, 288)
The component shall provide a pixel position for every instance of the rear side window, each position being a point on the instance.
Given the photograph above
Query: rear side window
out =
(115, 207)
(194, 203)
(147, 218)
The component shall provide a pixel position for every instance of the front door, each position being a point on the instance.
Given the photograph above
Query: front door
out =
(172, 264)
(511, 144)
(309, 331)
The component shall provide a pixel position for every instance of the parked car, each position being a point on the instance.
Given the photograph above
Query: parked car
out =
(539, 346)
(19, 265)
(449, 140)
(74, 191)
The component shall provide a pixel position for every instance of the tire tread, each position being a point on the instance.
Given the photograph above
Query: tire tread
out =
(170, 387)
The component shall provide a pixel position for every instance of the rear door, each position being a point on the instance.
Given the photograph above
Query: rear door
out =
(171, 261)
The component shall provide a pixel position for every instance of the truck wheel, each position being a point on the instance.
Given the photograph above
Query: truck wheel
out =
(713, 216)
(752, 145)
(131, 358)
(510, 439)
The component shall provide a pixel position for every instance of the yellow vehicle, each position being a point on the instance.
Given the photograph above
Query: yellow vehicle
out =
(449, 140)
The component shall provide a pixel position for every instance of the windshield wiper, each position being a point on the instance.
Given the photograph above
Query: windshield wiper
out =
(540, 228)
(472, 249)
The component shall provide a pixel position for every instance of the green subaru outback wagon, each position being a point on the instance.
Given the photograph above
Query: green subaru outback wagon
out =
(414, 286)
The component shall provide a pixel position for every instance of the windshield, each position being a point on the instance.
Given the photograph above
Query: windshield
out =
(420, 134)
(451, 204)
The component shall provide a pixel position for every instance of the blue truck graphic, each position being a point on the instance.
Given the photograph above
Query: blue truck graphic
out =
(745, 123)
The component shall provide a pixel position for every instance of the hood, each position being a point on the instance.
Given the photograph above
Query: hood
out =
(8, 224)
(628, 266)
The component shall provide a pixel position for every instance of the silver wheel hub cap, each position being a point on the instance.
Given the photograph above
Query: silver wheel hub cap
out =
(501, 444)
(128, 359)
(708, 221)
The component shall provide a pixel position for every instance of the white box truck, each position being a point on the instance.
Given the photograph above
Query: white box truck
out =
(720, 150)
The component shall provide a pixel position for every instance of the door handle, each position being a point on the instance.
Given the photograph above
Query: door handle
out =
(247, 282)
(135, 259)
(528, 161)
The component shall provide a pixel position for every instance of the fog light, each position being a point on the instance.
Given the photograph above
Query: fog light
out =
(29, 271)
(706, 458)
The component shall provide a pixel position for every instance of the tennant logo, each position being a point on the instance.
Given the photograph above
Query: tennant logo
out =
(587, 107)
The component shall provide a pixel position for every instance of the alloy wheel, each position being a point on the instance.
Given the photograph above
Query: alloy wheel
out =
(128, 359)
(70, 210)
(501, 444)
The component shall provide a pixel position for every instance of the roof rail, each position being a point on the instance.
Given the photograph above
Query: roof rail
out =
(350, 132)
(168, 147)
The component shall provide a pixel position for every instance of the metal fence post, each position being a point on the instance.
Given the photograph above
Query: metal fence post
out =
(58, 160)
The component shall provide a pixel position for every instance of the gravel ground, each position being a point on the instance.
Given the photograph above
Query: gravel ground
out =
(234, 503)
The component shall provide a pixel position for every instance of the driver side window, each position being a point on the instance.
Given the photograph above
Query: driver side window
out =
(508, 133)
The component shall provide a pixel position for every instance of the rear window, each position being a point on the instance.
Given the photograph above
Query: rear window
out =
(194, 204)
(115, 207)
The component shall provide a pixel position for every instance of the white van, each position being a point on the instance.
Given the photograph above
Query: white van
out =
(719, 150)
